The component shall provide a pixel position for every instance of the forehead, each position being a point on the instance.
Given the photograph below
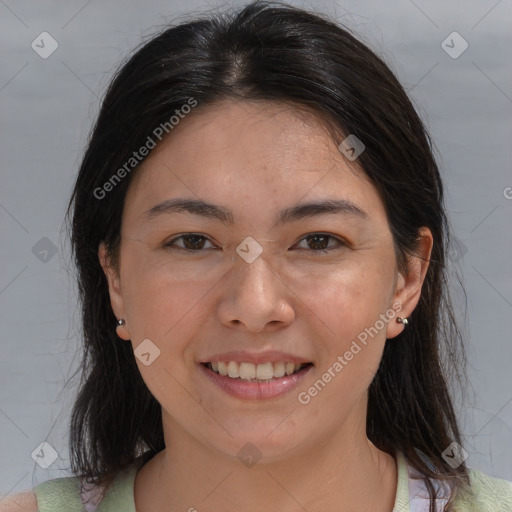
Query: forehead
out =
(252, 152)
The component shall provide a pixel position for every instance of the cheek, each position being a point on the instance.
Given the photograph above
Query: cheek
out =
(162, 302)
(351, 305)
(165, 307)
(349, 299)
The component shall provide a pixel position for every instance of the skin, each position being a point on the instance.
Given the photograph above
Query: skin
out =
(255, 159)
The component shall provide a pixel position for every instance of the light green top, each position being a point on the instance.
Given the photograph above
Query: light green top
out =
(63, 494)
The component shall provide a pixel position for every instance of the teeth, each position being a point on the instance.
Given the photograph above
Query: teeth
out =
(223, 368)
(247, 371)
(233, 369)
(250, 371)
(265, 371)
(279, 369)
(289, 368)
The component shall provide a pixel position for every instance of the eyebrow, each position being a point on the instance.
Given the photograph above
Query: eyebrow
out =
(292, 214)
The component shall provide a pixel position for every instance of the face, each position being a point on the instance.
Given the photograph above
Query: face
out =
(247, 239)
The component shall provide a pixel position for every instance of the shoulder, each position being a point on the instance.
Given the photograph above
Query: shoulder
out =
(488, 494)
(22, 502)
(52, 496)
(60, 494)
(71, 494)
(66, 494)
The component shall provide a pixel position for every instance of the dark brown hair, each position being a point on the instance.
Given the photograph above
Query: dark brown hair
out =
(273, 52)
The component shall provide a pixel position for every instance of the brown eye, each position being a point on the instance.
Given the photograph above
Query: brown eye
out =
(319, 242)
(192, 242)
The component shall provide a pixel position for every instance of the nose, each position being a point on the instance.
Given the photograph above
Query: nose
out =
(255, 298)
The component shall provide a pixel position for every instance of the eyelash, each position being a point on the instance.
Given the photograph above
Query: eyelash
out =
(172, 245)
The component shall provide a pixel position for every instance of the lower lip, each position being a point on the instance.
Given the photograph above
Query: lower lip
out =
(256, 390)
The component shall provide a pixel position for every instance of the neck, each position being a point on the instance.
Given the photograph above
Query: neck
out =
(344, 473)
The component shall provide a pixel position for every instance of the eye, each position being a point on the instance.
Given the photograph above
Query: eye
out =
(191, 242)
(319, 242)
(316, 242)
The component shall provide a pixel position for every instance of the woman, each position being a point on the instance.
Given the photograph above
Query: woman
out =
(260, 237)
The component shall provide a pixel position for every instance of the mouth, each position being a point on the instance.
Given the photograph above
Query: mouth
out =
(250, 372)
(256, 381)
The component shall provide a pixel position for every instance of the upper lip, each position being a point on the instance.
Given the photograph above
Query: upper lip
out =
(270, 356)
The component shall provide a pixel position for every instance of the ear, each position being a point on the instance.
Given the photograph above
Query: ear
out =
(114, 288)
(410, 281)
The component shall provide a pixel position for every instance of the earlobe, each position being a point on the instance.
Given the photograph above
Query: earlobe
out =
(121, 330)
(410, 281)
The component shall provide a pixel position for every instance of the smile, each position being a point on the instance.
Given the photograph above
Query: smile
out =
(256, 381)
(254, 372)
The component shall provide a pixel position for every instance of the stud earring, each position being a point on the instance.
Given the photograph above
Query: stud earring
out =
(400, 320)
(120, 324)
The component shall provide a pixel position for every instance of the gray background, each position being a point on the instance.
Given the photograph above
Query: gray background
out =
(48, 105)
